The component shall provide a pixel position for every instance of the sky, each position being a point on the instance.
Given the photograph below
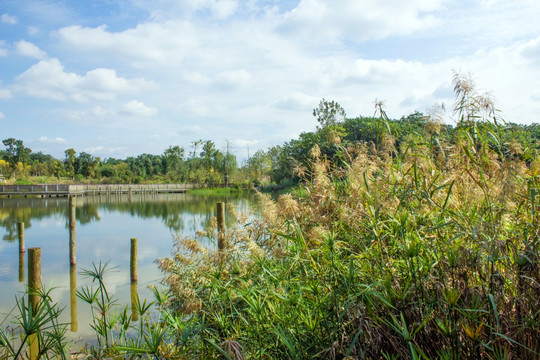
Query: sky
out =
(118, 78)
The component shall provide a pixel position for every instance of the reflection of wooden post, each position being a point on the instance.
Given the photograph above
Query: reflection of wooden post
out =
(134, 295)
(73, 297)
(20, 230)
(21, 267)
(22, 250)
(133, 260)
(134, 279)
(221, 225)
(72, 232)
(34, 287)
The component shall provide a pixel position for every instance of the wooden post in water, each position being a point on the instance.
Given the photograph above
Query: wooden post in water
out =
(72, 232)
(134, 279)
(21, 267)
(34, 287)
(73, 297)
(20, 230)
(22, 250)
(133, 260)
(134, 294)
(221, 225)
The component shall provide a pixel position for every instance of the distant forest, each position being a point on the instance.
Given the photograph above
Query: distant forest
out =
(202, 162)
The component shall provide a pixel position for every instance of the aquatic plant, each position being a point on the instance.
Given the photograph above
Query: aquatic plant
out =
(33, 326)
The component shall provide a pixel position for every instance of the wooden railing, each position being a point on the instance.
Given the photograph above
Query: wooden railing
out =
(82, 189)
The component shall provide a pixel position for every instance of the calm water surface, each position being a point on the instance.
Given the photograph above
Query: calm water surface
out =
(103, 231)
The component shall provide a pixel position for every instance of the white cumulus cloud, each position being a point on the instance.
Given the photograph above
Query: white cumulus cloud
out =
(8, 19)
(233, 78)
(159, 43)
(5, 94)
(358, 21)
(32, 30)
(137, 108)
(56, 140)
(47, 79)
(26, 48)
(222, 9)
(297, 101)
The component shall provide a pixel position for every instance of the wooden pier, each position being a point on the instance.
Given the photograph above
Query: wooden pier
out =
(55, 190)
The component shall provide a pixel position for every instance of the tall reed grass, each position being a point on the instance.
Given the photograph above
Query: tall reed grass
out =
(429, 251)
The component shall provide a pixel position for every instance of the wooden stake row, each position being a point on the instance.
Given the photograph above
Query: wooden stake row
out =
(34, 269)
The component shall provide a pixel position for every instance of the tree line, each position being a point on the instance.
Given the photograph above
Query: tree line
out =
(336, 136)
(203, 163)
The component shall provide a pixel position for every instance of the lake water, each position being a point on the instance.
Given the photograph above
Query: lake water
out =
(104, 227)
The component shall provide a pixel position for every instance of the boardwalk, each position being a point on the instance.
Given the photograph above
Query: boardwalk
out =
(50, 190)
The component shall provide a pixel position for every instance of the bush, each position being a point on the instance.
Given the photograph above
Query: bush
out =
(23, 181)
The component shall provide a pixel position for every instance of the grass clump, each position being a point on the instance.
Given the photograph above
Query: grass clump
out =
(147, 330)
(430, 251)
(33, 326)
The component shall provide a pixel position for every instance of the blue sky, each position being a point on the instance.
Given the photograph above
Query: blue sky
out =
(118, 78)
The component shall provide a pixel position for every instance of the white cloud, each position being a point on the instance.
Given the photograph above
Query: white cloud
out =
(244, 143)
(32, 30)
(196, 78)
(167, 9)
(488, 24)
(159, 43)
(8, 19)
(321, 20)
(233, 78)
(94, 149)
(531, 50)
(99, 111)
(297, 101)
(47, 79)
(222, 9)
(5, 94)
(26, 48)
(56, 140)
(192, 130)
(195, 106)
(137, 108)
(2, 116)
(3, 50)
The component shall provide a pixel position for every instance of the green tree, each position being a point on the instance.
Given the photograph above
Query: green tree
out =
(41, 164)
(229, 164)
(58, 169)
(208, 154)
(329, 113)
(69, 162)
(86, 165)
(15, 153)
(174, 159)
